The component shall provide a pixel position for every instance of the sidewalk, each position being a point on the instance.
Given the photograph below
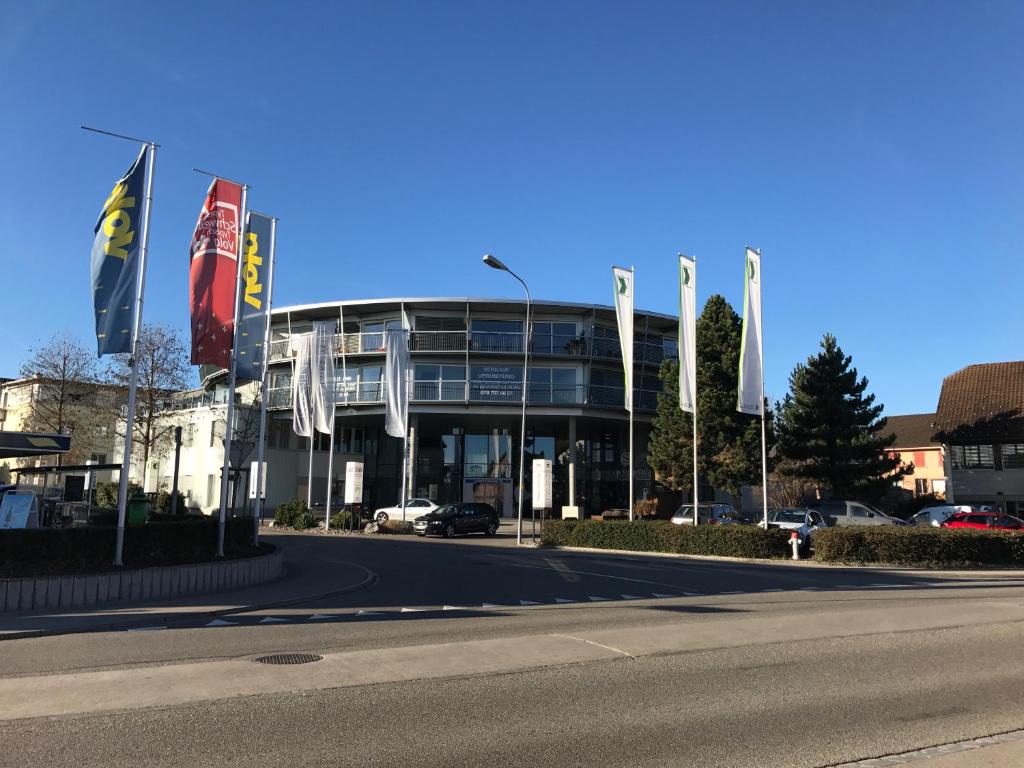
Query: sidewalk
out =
(999, 751)
(308, 575)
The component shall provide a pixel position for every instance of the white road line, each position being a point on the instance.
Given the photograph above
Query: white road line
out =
(732, 592)
(319, 617)
(528, 602)
(631, 597)
(368, 613)
(221, 623)
(492, 605)
(272, 620)
(563, 600)
(411, 610)
(591, 573)
(454, 608)
(597, 599)
(598, 645)
(693, 594)
(774, 589)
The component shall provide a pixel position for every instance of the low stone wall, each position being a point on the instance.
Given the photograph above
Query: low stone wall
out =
(49, 592)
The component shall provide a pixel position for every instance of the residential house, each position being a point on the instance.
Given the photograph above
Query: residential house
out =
(914, 445)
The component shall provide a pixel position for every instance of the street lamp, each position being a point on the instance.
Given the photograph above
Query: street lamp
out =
(494, 263)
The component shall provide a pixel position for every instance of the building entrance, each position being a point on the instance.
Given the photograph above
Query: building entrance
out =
(495, 491)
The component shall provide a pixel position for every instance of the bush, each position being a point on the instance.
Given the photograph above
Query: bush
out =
(292, 514)
(924, 546)
(162, 505)
(42, 551)
(662, 536)
(341, 519)
(106, 493)
(646, 507)
(395, 527)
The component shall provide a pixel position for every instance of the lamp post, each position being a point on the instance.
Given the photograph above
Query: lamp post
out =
(494, 263)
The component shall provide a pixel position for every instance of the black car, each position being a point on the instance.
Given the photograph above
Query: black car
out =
(452, 519)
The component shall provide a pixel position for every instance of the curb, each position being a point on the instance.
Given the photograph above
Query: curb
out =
(370, 579)
(954, 572)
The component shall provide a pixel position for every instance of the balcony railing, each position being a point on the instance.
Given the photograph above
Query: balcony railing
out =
(484, 392)
(488, 342)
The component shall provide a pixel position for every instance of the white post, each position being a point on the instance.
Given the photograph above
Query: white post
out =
(309, 480)
(632, 389)
(405, 462)
(330, 469)
(226, 470)
(695, 494)
(258, 506)
(129, 424)
(764, 449)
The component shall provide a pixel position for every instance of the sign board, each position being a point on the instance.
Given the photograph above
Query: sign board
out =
(542, 483)
(16, 508)
(252, 480)
(496, 382)
(354, 482)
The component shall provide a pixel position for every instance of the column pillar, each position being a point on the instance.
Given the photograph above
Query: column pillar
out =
(572, 510)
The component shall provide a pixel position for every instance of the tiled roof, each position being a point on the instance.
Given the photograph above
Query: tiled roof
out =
(982, 402)
(914, 430)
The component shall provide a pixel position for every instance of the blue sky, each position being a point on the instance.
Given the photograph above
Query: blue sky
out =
(870, 149)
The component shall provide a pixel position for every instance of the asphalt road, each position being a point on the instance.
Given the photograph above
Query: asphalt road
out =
(577, 659)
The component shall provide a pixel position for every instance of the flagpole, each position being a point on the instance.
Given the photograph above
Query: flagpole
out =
(225, 472)
(330, 467)
(632, 405)
(696, 498)
(764, 442)
(258, 507)
(140, 284)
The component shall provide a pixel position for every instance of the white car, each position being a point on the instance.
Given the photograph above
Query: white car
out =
(804, 521)
(936, 516)
(413, 509)
(709, 514)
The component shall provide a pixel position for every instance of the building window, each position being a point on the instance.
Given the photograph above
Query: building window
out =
(280, 434)
(552, 385)
(556, 339)
(496, 383)
(370, 387)
(1013, 455)
(349, 440)
(439, 382)
(972, 457)
(921, 487)
(374, 334)
(497, 336)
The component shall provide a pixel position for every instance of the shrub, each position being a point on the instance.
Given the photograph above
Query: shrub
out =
(106, 493)
(662, 536)
(162, 505)
(41, 551)
(395, 527)
(341, 519)
(646, 507)
(924, 546)
(291, 514)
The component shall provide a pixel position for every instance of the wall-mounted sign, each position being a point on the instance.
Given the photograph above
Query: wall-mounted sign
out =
(496, 382)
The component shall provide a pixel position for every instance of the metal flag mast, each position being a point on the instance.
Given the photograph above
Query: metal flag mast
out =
(764, 442)
(258, 506)
(140, 285)
(229, 418)
(696, 494)
(330, 446)
(629, 383)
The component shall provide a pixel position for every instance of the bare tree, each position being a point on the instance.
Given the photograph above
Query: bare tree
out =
(245, 436)
(65, 393)
(164, 369)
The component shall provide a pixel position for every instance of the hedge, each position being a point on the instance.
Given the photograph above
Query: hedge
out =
(663, 536)
(924, 546)
(44, 551)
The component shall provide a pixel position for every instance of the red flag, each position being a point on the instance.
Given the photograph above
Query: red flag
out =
(213, 274)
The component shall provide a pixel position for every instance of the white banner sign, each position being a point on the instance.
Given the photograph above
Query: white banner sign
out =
(263, 479)
(751, 390)
(623, 280)
(687, 334)
(354, 482)
(542, 483)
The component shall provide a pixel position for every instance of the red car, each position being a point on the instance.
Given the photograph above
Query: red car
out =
(984, 521)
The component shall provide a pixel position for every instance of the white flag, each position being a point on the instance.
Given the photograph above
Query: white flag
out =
(322, 368)
(751, 390)
(302, 391)
(687, 334)
(396, 382)
(623, 279)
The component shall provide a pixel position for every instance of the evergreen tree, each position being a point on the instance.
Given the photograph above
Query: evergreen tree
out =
(831, 431)
(729, 442)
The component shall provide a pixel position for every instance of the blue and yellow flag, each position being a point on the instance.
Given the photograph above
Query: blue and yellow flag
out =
(115, 260)
(252, 315)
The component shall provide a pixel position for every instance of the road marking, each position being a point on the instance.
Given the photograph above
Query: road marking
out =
(368, 613)
(598, 645)
(454, 608)
(563, 600)
(319, 617)
(630, 597)
(596, 599)
(273, 620)
(591, 573)
(737, 592)
(659, 594)
(144, 629)
(411, 610)
(773, 589)
(528, 602)
(693, 594)
(491, 605)
(221, 623)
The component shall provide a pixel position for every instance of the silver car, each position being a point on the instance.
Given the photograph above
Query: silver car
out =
(708, 514)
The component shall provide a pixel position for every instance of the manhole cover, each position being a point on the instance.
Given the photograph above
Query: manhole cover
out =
(289, 658)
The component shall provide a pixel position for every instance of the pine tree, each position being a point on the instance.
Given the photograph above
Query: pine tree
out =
(831, 432)
(729, 442)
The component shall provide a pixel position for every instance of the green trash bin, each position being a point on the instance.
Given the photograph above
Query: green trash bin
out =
(138, 509)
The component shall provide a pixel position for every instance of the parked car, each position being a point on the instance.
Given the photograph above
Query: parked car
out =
(985, 521)
(840, 512)
(804, 521)
(413, 509)
(707, 514)
(453, 519)
(936, 516)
